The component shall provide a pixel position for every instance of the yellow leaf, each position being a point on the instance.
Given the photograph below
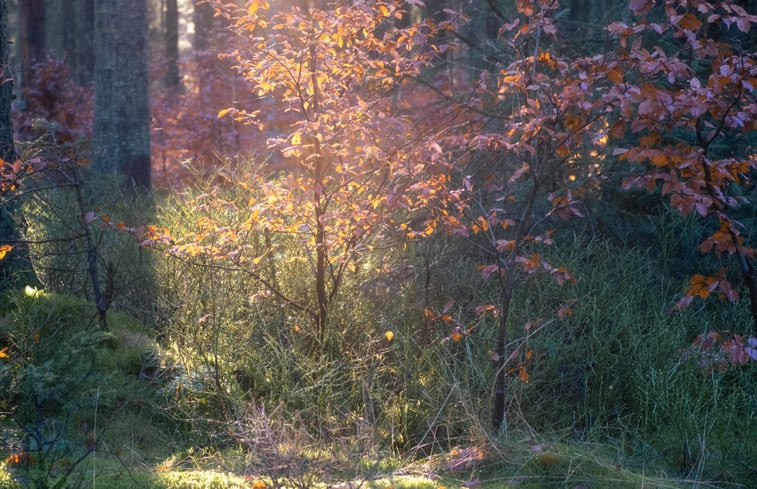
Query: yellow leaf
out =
(254, 5)
(389, 335)
(4, 352)
(223, 112)
(384, 10)
(296, 138)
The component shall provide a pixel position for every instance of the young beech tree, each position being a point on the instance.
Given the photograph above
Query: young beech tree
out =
(517, 163)
(334, 72)
(687, 103)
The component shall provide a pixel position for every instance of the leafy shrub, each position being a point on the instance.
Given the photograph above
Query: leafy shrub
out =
(55, 99)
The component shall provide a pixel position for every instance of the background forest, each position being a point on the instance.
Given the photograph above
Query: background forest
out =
(378, 244)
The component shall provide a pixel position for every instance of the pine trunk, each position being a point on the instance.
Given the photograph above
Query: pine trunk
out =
(172, 80)
(14, 268)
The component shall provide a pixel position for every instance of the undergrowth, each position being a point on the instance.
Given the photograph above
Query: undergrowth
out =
(218, 384)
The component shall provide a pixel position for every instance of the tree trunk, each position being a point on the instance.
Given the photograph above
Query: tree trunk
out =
(31, 28)
(56, 29)
(7, 148)
(122, 112)
(85, 52)
(70, 33)
(203, 20)
(171, 30)
(14, 267)
(78, 26)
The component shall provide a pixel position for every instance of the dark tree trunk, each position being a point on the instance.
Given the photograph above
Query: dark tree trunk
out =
(203, 20)
(70, 32)
(7, 148)
(14, 267)
(122, 112)
(172, 80)
(78, 25)
(85, 55)
(56, 29)
(31, 28)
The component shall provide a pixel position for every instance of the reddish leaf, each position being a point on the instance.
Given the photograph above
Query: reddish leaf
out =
(640, 7)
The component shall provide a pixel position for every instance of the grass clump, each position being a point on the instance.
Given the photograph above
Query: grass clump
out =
(6, 478)
(200, 479)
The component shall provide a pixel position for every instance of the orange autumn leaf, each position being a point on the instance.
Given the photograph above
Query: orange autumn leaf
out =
(618, 129)
(659, 159)
(18, 458)
(562, 151)
(4, 249)
(649, 140)
(530, 264)
(689, 22)
(525, 7)
(701, 286)
(523, 374)
(481, 225)
(615, 75)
